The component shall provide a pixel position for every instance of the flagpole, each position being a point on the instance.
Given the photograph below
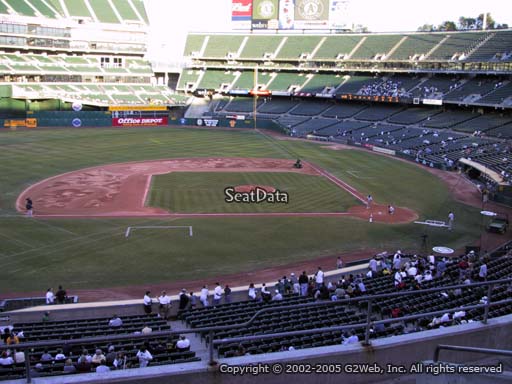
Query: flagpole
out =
(255, 89)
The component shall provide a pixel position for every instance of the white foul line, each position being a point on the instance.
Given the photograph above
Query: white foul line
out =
(129, 229)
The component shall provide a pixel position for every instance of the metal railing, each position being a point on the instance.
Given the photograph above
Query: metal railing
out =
(210, 331)
(460, 348)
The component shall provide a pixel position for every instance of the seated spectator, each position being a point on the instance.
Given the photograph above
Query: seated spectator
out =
(144, 356)
(102, 368)
(60, 355)
(183, 344)
(111, 355)
(265, 294)
(97, 357)
(120, 361)
(146, 330)
(240, 351)
(5, 359)
(115, 322)
(85, 356)
(46, 317)
(349, 338)
(83, 364)
(278, 296)
(19, 356)
(69, 367)
(37, 370)
(12, 339)
(46, 356)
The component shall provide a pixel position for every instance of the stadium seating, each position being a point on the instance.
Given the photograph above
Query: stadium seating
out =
(162, 347)
(496, 48)
(297, 46)
(412, 116)
(472, 90)
(335, 47)
(456, 45)
(219, 46)
(318, 82)
(257, 46)
(499, 95)
(284, 81)
(375, 45)
(292, 319)
(448, 119)
(416, 46)
(378, 112)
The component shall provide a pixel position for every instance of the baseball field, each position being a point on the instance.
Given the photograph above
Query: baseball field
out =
(78, 234)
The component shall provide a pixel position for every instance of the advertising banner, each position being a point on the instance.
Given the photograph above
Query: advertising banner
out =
(265, 14)
(286, 14)
(311, 14)
(241, 14)
(339, 17)
(139, 121)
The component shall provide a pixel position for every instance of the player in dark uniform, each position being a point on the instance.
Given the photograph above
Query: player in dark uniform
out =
(29, 207)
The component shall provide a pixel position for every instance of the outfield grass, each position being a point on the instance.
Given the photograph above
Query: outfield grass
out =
(36, 254)
(203, 192)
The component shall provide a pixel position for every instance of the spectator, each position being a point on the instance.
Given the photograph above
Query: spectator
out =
(252, 292)
(295, 284)
(146, 330)
(303, 282)
(203, 297)
(84, 362)
(193, 300)
(349, 338)
(115, 322)
(482, 273)
(372, 265)
(227, 294)
(5, 359)
(50, 297)
(60, 355)
(61, 295)
(102, 368)
(37, 370)
(111, 355)
(46, 356)
(12, 339)
(319, 277)
(164, 305)
(85, 356)
(266, 296)
(69, 367)
(98, 357)
(120, 361)
(183, 344)
(144, 356)
(278, 296)
(46, 317)
(19, 356)
(147, 303)
(217, 294)
(184, 300)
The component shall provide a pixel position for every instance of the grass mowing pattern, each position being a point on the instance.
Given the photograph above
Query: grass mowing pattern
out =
(36, 254)
(203, 192)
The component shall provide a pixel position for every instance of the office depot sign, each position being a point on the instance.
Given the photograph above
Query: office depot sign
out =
(138, 121)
